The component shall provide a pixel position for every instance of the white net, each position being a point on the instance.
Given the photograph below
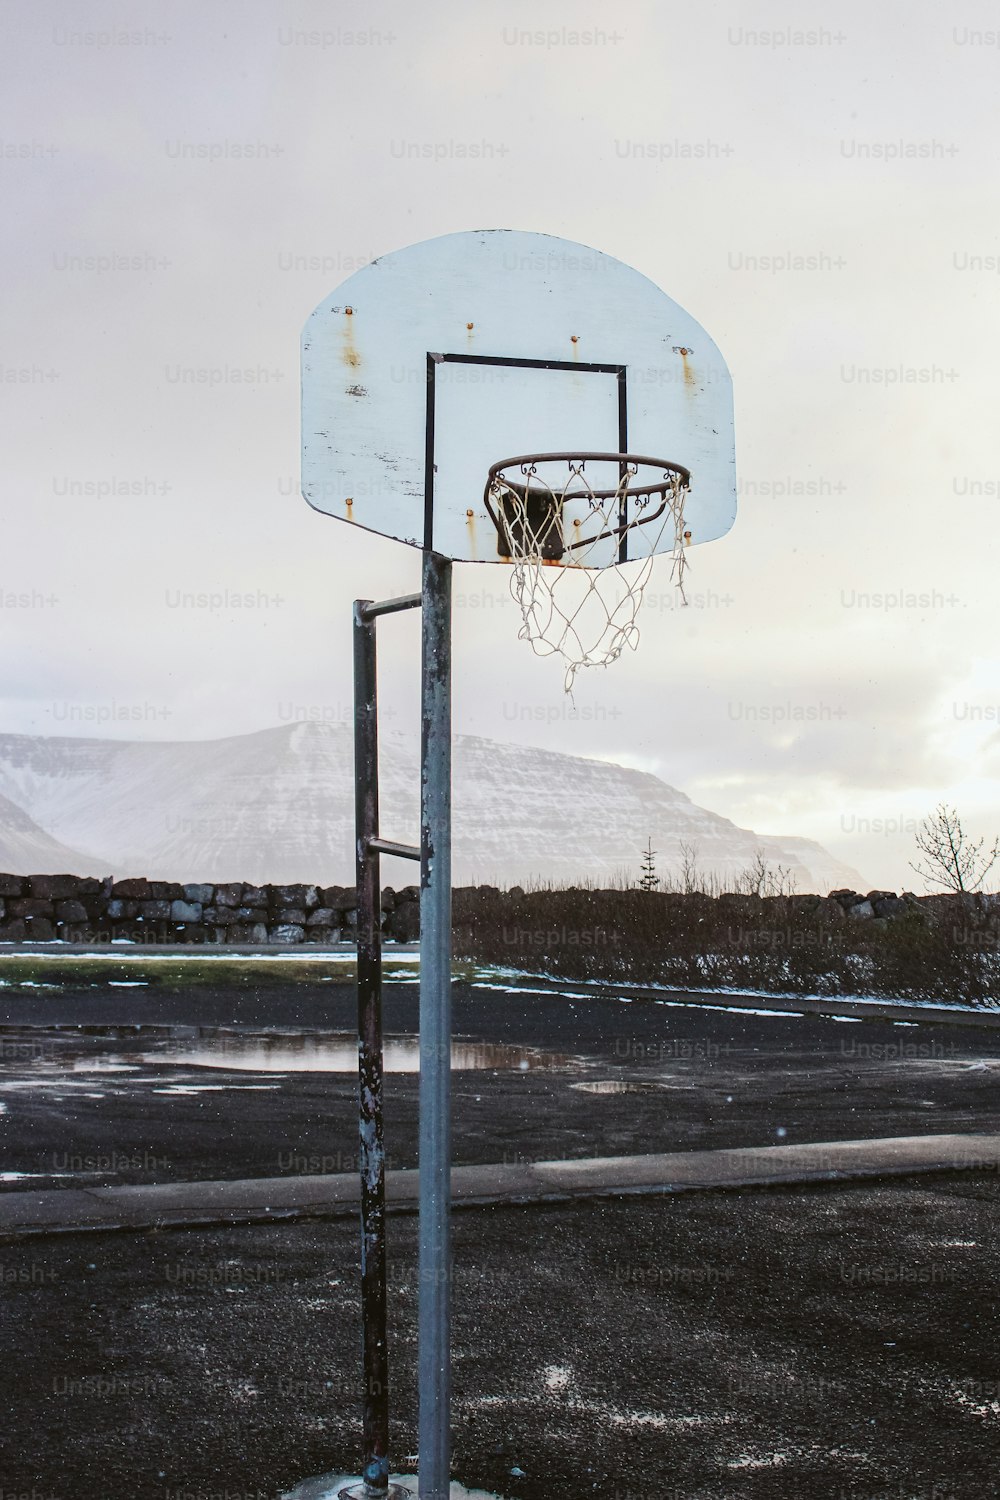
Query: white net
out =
(582, 534)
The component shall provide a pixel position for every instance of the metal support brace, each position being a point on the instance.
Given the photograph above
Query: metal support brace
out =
(375, 1480)
(370, 611)
(434, 854)
(401, 851)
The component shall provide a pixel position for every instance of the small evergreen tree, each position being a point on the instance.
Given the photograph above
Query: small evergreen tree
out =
(650, 880)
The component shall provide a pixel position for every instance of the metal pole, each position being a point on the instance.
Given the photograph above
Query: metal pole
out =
(372, 1153)
(435, 1033)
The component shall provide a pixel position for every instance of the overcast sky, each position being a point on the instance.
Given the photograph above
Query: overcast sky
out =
(836, 675)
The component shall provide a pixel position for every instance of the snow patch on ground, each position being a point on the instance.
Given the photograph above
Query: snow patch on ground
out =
(197, 954)
(755, 1461)
(557, 1377)
(213, 1088)
(974, 1403)
(725, 989)
(24, 1176)
(605, 1412)
(102, 1065)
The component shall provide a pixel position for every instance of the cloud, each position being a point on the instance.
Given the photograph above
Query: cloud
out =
(864, 391)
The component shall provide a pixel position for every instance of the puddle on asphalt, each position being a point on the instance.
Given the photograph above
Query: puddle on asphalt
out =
(131, 1050)
(337, 1052)
(31, 1176)
(619, 1086)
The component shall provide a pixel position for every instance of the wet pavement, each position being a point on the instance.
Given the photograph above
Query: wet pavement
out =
(836, 1342)
(149, 1084)
(829, 1342)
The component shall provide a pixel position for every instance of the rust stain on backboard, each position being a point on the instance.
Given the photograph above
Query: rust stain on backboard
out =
(350, 354)
(690, 379)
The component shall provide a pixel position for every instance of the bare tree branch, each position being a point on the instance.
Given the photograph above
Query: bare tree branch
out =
(689, 868)
(759, 879)
(951, 858)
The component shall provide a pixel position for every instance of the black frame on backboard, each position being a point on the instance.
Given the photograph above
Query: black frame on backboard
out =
(433, 360)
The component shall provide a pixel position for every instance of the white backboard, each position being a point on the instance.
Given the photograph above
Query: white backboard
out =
(432, 363)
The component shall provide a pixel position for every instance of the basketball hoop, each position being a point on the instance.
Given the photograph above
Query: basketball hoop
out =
(463, 345)
(571, 533)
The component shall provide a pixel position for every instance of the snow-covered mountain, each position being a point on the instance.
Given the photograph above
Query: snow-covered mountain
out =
(278, 806)
(26, 849)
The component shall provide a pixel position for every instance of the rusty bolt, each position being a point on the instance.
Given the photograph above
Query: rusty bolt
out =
(470, 325)
(470, 512)
(574, 338)
(348, 309)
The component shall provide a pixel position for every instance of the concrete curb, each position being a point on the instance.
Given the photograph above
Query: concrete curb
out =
(264, 1200)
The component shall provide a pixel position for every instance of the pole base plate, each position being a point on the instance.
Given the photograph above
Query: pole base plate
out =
(350, 1487)
(361, 1491)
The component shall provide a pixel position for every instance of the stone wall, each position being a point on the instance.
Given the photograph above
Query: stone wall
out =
(79, 909)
